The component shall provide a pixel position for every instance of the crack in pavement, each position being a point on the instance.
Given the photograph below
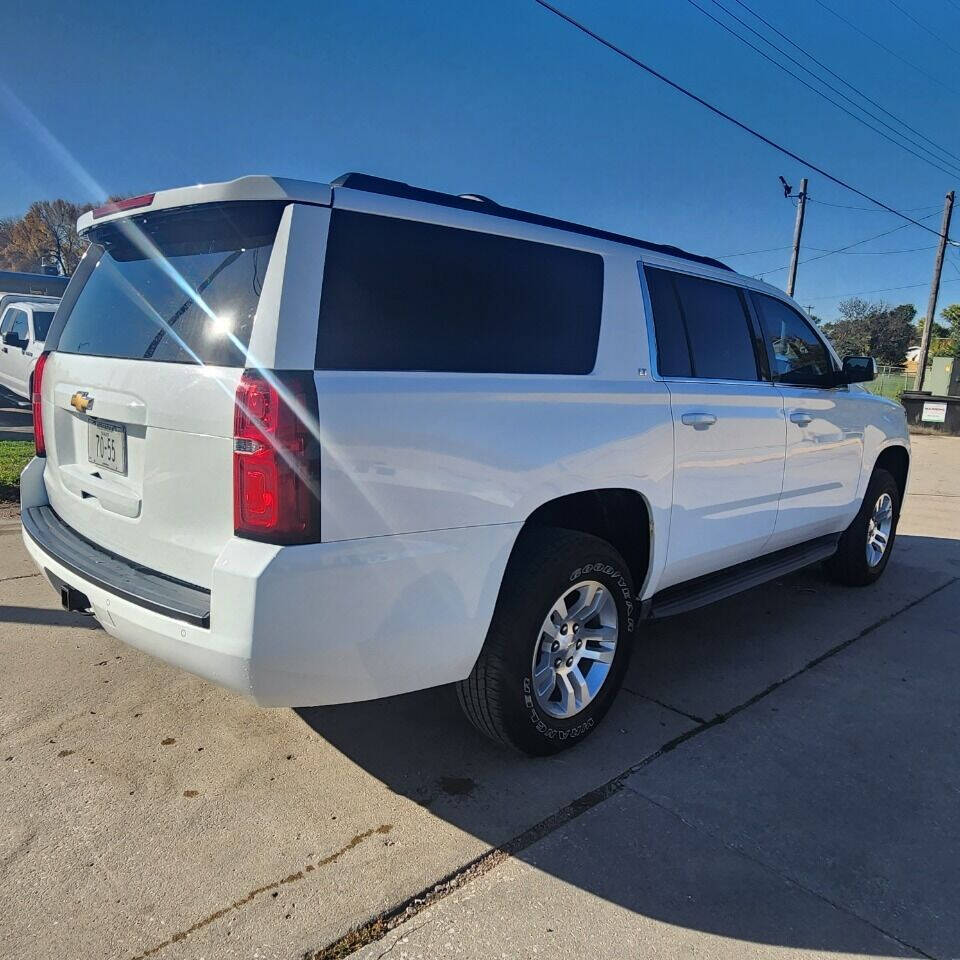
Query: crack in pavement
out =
(22, 576)
(401, 939)
(379, 926)
(243, 901)
(666, 706)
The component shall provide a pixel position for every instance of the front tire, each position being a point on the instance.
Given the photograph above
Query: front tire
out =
(558, 644)
(864, 549)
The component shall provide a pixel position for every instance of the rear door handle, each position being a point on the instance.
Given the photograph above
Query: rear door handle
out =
(800, 419)
(699, 421)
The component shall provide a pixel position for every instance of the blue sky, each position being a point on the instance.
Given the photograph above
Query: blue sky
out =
(499, 98)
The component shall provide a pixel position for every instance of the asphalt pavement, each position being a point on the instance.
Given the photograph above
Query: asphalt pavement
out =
(780, 777)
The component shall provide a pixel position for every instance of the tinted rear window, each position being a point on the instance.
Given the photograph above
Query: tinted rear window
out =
(176, 285)
(404, 295)
(705, 318)
(41, 323)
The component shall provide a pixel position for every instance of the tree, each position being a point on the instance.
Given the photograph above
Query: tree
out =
(46, 234)
(939, 330)
(949, 345)
(875, 329)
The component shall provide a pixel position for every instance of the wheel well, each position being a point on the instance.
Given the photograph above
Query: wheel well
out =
(896, 461)
(620, 517)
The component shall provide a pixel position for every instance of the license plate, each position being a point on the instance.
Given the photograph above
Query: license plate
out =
(107, 445)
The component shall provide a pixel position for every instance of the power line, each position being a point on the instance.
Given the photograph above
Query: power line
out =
(845, 248)
(847, 206)
(845, 252)
(848, 253)
(837, 76)
(864, 293)
(923, 27)
(726, 116)
(884, 47)
(879, 253)
(931, 162)
(750, 253)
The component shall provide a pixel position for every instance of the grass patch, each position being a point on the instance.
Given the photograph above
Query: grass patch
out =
(890, 386)
(14, 456)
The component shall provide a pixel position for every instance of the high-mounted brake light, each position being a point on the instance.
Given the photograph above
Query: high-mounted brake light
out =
(36, 392)
(118, 206)
(276, 458)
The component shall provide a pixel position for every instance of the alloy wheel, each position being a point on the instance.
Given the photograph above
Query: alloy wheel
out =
(574, 651)
(879, 528)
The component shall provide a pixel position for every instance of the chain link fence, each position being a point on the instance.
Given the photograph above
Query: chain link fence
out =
(892, 381)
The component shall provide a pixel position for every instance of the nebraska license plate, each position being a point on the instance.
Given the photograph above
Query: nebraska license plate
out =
(107, 445)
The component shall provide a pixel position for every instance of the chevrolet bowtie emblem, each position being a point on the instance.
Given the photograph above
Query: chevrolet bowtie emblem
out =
(81, 401)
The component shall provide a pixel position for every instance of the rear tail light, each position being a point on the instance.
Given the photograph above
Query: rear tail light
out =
(36, 392)
(276, 458)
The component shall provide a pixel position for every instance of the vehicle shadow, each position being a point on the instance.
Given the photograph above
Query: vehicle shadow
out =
(16, 419)
(42, 616)
(776, 813)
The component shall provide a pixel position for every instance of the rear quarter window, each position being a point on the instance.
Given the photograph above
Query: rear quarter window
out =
(404, 295)
(180, 285)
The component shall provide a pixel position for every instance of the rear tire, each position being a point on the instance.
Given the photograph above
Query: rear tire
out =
(529, 645)
(857, 562)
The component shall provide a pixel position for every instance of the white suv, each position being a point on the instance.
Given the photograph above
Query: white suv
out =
(322, 443)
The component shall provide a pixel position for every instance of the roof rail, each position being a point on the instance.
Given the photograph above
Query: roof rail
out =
(481, 204)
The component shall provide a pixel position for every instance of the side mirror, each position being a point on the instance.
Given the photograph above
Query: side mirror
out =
(12, 340)
(858, 369)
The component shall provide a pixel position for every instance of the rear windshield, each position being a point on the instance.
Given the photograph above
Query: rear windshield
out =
(180, 286)
(41, 323)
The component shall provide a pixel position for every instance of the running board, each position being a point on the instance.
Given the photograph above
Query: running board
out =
(715, 586)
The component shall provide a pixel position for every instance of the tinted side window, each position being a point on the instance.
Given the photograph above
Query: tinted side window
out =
(404, 295)
(7, 322)
(797, 355)
(673, 352)
(717, 328)
(721, 344)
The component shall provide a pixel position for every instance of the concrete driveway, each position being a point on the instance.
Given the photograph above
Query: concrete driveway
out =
(781, 777)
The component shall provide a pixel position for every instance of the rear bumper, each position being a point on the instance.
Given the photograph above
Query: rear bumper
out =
(119, 577)
(317, 624)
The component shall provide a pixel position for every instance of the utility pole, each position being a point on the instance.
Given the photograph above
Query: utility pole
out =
(934, 292)
(797, 231)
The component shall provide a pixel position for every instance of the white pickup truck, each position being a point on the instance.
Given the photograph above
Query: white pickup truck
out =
(321, 443)
(24, 322)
